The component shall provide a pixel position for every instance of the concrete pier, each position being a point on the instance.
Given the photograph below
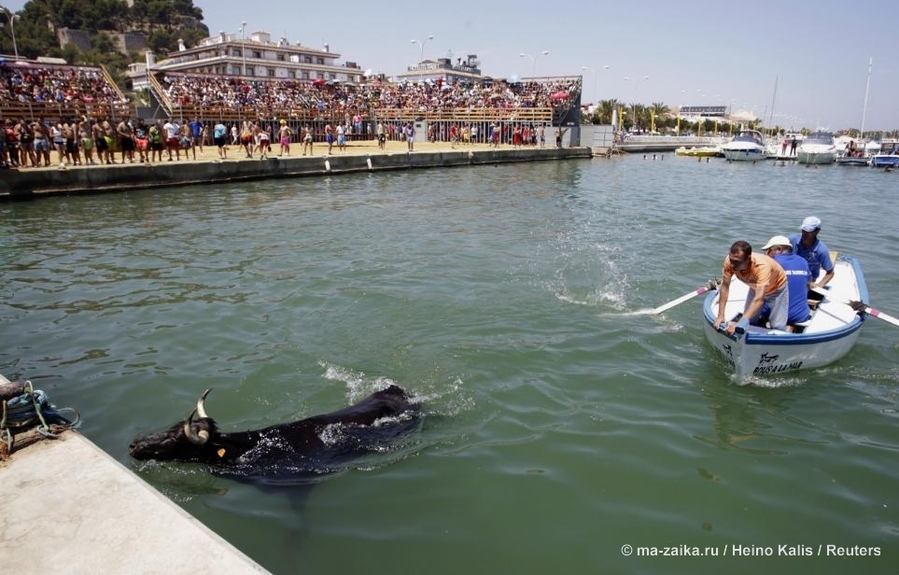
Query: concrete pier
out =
(29, 183)
(67, 507)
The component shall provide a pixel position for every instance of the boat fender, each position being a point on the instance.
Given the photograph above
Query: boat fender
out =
(328, 166)
(368, 163)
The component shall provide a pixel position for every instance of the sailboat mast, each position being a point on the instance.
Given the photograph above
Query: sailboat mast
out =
(773, 96)
(867, 88)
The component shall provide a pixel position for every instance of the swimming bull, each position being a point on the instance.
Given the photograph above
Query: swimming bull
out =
(313, 444)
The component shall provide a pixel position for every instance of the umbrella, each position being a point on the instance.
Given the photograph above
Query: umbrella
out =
(319, 82)
(560, 95)
(513, 79)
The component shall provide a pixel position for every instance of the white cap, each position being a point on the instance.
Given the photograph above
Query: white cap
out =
(811, 224)
(777, 241)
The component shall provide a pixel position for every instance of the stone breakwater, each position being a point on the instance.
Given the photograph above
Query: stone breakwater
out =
(34, 183)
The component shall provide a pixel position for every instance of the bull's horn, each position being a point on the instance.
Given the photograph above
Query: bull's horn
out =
(198, 438)
(201, 408)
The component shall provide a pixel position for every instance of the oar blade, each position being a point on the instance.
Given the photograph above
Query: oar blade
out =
(880, 315)
(686, 297)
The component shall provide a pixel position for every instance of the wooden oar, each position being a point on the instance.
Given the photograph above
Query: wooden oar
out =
(712, 285)
(863, 307)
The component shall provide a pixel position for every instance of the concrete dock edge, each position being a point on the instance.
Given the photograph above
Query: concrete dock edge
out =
(68, 507)
(32, 183)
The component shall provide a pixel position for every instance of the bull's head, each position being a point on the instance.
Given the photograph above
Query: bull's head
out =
(184, 441)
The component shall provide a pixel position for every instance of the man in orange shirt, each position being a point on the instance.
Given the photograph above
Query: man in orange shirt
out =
(767, 284)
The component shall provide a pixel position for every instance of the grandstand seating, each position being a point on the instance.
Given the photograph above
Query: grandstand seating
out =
(54, 92)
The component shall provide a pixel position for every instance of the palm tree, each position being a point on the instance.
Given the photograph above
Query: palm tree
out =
(606, 107)
(662, 115)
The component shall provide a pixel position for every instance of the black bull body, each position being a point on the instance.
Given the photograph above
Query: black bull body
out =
(314, 445)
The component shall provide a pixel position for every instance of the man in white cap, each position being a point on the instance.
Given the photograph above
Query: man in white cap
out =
(807, 246)
(798, 276)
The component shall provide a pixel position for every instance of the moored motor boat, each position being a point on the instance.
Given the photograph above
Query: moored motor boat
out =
(747, 146)
(825, 338)
(888, 156)
(817, 148)
(853, 160)
(702, 152)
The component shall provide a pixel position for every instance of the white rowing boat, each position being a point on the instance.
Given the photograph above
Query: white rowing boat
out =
(826, 337)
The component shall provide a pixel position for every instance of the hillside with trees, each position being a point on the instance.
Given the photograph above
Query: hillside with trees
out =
(162, 22)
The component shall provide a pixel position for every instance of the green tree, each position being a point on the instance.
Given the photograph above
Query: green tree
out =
(662, 115)
(164, 21)
(606, 107)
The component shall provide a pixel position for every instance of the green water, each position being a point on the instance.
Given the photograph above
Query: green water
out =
(559, 428)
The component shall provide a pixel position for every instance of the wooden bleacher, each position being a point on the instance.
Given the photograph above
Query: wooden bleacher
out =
(55, 111)
(52, 111)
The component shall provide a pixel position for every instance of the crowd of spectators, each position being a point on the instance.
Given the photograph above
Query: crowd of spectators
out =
(355, 108)
(323, 99)
(24, 83)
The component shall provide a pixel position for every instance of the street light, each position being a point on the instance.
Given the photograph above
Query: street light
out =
(636, 82)
(243, 47)
(12, 27)
(595, 91)
(421, 57)
(534, 61)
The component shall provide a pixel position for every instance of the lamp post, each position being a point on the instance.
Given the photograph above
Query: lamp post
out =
(421, 56)
(243, 48)
(595, 91)
(534, 61)
(636, 82)
(12, 27)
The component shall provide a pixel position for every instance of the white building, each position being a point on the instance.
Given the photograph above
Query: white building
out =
(256, 56)
(451, 72)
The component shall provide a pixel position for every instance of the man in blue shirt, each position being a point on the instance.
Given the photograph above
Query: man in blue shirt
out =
(196, 131)
(798, 276)
(807, 246)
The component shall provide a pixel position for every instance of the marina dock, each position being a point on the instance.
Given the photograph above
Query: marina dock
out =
(68, 507)
(38, 182)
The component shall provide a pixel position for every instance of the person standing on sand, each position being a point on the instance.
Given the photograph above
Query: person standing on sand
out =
(341, 137)
(329, 136)
(141, 141)
(284, 134)
(382, 137)
(126, 139)
(409, 132)
(307, 138)
(155, 133)
(219, 135)
(197, 133)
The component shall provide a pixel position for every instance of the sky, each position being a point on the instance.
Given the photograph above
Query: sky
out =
(683, 52)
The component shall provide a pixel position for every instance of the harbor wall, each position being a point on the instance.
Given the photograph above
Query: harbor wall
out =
(33, 183)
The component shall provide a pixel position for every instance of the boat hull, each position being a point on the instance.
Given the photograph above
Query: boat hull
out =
(883, 160)
(847, 161)
(816, 156)
(707, 152)
(753, 352)
(753, 154)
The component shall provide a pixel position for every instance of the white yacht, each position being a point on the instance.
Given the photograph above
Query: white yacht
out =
(747, 146)
(817, 148)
